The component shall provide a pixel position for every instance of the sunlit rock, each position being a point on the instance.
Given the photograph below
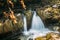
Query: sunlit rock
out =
(49, 36)
(1, 26)
(40, 38)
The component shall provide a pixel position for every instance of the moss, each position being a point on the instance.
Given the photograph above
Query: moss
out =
(48, 36)
(40, 38)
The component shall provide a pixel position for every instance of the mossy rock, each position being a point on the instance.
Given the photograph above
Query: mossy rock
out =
(48, 36)
(40, 38)
(9, 26)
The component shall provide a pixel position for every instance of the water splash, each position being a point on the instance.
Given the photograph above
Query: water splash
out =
(37, 27)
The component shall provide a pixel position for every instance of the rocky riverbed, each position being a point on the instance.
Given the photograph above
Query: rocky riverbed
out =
(49, 36)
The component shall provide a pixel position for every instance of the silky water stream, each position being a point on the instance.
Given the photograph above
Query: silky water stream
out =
(37, 27)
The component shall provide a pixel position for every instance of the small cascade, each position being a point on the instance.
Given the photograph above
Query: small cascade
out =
(37, 27)
(25, 25)
(37, 23)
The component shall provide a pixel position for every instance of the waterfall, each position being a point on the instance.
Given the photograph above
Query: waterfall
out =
(37, 27)
(25, 25)
(37, 23)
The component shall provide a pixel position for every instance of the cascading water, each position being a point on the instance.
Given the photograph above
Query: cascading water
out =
(25, 25)
(37, 27)
(37, 23)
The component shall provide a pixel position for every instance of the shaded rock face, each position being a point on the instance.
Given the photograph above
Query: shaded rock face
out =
(9, 29)
(9, 26)
(29, 16)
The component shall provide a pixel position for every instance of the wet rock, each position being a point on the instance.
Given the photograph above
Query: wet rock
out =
(56, 28)
(49, 36)
(29, 16)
